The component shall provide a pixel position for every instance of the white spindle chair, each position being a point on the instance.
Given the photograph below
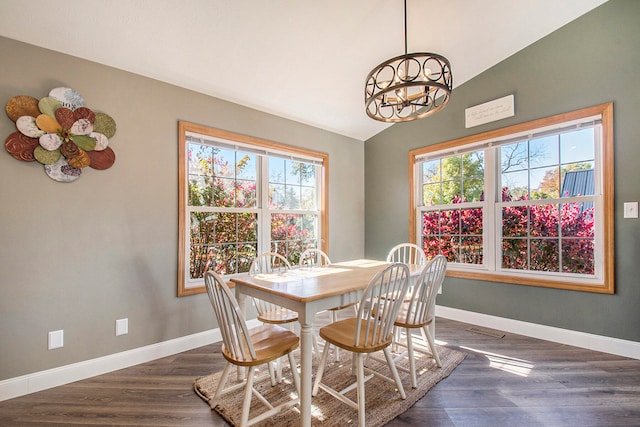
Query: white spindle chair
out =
(370, 331)
(419, 311)
(248, 348)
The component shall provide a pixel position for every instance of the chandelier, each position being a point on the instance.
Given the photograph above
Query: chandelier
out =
(409, 86)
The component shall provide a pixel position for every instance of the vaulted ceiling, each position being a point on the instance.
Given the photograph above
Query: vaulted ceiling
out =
(305, 60)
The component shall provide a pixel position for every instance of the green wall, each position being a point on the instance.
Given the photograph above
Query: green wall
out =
(78, 256)
(592, 60)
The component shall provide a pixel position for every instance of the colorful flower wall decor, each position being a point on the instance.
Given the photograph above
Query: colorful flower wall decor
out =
(62, 134)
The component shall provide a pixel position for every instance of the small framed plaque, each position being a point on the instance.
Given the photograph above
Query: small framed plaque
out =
(489, 111)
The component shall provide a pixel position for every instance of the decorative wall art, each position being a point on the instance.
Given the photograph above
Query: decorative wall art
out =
(59, 132)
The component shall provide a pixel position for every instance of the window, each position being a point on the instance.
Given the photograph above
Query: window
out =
(241, 196)
(530, 204)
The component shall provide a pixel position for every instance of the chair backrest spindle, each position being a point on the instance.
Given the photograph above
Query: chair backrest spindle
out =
(380, 304)
(421, 306)
(407, 253)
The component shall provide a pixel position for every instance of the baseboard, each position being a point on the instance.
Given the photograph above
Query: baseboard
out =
(563, 336)
(38, 381)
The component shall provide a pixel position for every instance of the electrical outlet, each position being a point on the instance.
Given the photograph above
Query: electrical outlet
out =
(122, 327)
(56, 339)
(631, 210)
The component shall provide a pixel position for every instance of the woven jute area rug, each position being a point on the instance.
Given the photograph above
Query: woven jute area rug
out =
(383, 402)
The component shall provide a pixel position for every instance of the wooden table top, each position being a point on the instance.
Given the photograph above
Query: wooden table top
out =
(309, 284)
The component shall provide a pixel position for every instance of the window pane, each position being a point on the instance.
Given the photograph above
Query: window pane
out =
(455, 233)
(276, 196)
(224, 242)
(544, 183)
(224, 162)
(308, 198)
(473, 189)
(223, 192)
(544, 220)
(578, 180)
(471, 250)
(516, 183)
(515, 254)
(276, 170)
(577, 146)
(543, 151)
(431, 223)
(471, 221)
(292, 197)
(544, 255)
(578, 256)
(432, 194)
(514, 157)
(431, 171)
(577, 219)
(293, 233)
(515, 221)
(199, 190)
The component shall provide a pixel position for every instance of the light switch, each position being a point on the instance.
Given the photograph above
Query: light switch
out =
(631, 210)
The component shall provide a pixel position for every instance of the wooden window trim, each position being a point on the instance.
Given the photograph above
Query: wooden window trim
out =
(607, 286)
(183, 128)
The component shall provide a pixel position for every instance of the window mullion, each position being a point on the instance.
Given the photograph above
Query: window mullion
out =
(490, 216)
(264, 213)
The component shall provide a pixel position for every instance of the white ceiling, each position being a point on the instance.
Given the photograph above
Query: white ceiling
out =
(305, 60)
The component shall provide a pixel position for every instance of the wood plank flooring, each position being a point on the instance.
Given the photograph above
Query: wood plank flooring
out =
(509, 381)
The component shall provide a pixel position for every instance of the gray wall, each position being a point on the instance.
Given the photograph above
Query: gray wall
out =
(590, 61)
(78, 256)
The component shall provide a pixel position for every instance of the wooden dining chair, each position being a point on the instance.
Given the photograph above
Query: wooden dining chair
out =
(370, 331)
(314, 257)
(418, 313)
(271, 262)
(408, 253)
(248, 348)
(273, 314)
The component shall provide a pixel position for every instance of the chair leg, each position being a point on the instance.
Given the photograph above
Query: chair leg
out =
(279, 370)
(221, 383)
(294, 373)
(412, 360)
(432, 345)
(394, 371)
(320, 370)
(334, 318)
(248, 392)
(272, 374)
(396, 339)
(360, 390)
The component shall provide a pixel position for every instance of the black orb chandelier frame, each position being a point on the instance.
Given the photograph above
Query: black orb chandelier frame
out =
(409, 86)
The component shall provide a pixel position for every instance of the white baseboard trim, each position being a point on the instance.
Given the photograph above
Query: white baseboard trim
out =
(549, 333)
(38, 381)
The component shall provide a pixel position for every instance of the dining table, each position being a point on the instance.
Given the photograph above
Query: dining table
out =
(307, 291)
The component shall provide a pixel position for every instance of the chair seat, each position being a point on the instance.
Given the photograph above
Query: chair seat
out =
(270, 342)
(278, 316)
(342, 333)
(401, 320)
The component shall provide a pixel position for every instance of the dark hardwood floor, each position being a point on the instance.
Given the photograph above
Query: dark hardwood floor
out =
(508, 381)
